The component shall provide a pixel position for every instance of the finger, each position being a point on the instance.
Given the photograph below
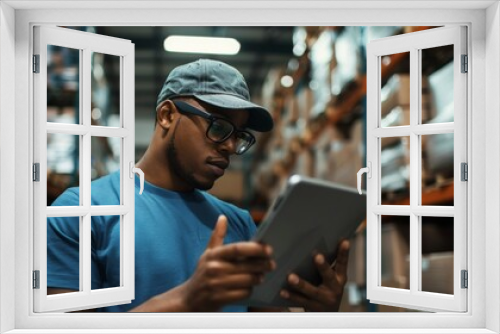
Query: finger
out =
(300, 300)
(219, 232)
(326, 272)
(237, 281)
(241, 251)
(216, 268)
(307, 289)
(231, 296)
(342, 260)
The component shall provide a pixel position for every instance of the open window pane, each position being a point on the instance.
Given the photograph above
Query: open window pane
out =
(437, 169)
(438, 148)
(438, 96)
(105, 90)
(105, 162)
(63, 81)
(395, 169)
(63, 167)
(437, 254)
(395, 254)
(64, 151)
(107, 252)
(60, 275)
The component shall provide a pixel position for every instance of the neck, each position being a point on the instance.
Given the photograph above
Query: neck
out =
(157, 169)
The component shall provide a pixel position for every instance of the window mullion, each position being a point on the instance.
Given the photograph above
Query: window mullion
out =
(85, 175)
(415, 170)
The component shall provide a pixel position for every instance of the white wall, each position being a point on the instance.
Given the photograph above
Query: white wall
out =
(7, 185)
(492, 164)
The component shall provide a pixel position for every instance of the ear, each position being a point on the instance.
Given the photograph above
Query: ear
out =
(166, 114)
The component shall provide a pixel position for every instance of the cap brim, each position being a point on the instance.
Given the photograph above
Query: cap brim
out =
(259, 118)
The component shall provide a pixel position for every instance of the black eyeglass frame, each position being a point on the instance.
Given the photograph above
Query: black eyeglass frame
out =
(186, 108)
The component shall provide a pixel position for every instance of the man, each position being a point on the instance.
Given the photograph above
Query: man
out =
(192, 251)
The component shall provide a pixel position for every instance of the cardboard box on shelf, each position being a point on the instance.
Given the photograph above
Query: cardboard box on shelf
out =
(395, 251)
(395, 162)
(437, 273)
(305, 102)
(322, 150)
(356, 267)
(396, 93)
(304, 163)
(346, 157)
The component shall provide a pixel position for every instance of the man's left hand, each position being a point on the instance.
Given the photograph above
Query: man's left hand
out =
(327, 296)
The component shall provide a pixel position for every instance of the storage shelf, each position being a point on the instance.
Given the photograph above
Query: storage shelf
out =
(431, 196)
(341, 112)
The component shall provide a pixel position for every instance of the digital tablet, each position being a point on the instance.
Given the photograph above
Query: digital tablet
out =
(308, 217)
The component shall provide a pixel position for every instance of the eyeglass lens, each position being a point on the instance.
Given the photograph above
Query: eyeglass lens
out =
(220, 130)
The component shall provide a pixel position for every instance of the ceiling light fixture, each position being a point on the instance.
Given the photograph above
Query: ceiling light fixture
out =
(286, 81)
(198, 44)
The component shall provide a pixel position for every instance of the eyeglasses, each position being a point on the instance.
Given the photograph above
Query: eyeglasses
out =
(219, 129)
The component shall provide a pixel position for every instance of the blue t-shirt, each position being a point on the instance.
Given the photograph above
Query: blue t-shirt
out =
(172, 230)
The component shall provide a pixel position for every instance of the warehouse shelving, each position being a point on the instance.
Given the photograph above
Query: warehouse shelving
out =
(339, 114)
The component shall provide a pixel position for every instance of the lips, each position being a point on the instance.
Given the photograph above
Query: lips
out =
(218, 166)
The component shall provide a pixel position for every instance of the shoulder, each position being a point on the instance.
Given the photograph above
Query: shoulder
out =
(110, 180)
(104, 191)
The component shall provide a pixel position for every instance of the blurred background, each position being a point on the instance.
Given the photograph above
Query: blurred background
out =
(313, 81)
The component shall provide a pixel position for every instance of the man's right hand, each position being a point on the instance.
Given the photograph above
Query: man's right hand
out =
(226, 273)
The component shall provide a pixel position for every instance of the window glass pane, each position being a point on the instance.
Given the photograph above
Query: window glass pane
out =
(106, 252)
(437, 169)
(63, 167)
(63, 253)
(437, 85)
(105, 165)
(395, 169)
(395, 90)
(437, 254)
(63, 75)
(105, 90)
(395, 252)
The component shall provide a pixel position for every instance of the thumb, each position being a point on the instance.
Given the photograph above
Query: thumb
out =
(219, 232)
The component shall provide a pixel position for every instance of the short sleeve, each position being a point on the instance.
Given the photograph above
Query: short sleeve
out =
(63, 247)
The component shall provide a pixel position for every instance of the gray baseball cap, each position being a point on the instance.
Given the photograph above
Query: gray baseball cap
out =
(217, 84)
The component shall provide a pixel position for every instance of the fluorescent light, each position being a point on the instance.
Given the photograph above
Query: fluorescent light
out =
(198, 44)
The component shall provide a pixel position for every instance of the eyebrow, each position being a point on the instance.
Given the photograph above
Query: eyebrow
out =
(216, 114)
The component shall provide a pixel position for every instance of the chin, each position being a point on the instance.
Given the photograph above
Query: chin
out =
(204, 184)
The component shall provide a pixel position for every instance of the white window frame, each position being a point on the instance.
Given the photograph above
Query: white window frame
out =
(85, 43)
(414, 297)
(483, 21)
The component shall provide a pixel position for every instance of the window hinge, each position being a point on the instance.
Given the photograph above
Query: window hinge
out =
(464, 172)
(465, 279)
(465, 64)
(36, 172)
(36, 63)
(36, 279)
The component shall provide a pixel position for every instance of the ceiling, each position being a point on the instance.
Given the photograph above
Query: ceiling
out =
(262, 48)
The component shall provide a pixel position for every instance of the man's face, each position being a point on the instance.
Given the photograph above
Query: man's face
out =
(196, 160)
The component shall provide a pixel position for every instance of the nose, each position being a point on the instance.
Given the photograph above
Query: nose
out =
(229, 145)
